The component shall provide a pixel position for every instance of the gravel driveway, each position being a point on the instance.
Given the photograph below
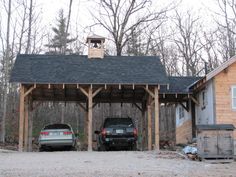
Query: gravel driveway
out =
(105, 164)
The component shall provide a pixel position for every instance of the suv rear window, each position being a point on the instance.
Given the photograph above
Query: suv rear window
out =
(57, 126)
(118, 122)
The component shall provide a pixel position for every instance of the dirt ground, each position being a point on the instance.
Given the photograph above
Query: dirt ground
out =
(106, 164)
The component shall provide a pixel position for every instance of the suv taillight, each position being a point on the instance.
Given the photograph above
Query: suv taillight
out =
(104, 132)
(135, 133)
(44, 133)
(67, 133)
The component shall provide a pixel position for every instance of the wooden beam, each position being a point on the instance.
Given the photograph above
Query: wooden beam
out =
(86, 126)
(149, 92)
(21, 121)
(149, 117)
(29, 91)
(164, 95)
(94, 104)
(194, 100)
(152, 102)
(137, 106)
(26, 124)
(97, 91)
(90, 118)
(84, 91)
(65, 88)
(185, 107)
(157, 135)
(149, 123)
(82, 106)
(30, 118)
(143, 127)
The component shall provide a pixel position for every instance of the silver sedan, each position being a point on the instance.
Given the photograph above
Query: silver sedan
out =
(56, 135)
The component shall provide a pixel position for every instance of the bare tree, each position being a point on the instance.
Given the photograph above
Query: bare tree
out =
(158, 43)
(226, 32)
(22, 25)
(69, 14)
(27, 50)
(187, 39)
(122, 18)
(6, 74)
(210, 48)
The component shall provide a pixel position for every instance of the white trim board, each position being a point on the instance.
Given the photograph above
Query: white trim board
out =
(220, 68)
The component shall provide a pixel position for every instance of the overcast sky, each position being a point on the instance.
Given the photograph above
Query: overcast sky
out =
(81, 17)
(81, 9)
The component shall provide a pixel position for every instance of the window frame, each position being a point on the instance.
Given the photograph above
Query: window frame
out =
(181, 112)
(204, 99)
(232, 96)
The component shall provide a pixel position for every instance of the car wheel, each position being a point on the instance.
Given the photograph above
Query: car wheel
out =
(134, 147)
(73, 148)
(103, 148)
(41, 149)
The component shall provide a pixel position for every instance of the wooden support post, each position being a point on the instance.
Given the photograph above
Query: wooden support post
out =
(26, 124)
(30, 123)
(143, 127)
(89, 94)
(21, 121)
(90, 114)
(149, 117)
(157, 138)
(86, 126)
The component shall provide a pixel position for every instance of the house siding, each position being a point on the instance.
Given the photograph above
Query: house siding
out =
(223, 96)
(183, 127)
(206, 115)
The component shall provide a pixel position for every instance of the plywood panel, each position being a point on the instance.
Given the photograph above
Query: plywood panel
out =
(184, 132)
(223, 82)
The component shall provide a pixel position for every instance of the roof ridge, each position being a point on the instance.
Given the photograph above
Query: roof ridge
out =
(221, 67)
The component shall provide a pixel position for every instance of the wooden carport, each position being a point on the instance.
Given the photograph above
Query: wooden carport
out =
(72, 78)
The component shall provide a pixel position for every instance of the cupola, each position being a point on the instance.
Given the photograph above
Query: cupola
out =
(95, 46)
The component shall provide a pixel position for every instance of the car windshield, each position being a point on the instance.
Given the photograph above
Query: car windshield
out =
(57, 126)
(118, 122)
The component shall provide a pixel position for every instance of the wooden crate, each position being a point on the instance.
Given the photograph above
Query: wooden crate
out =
(215, 141)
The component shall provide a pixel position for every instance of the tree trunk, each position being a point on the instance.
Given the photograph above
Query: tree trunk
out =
(30, 27)
(63, 113)
(6, 68)
(118, 50)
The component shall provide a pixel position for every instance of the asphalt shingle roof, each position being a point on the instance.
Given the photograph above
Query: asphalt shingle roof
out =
(179, 84)
(79, 69)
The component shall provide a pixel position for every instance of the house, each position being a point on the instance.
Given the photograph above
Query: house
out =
(216, 96)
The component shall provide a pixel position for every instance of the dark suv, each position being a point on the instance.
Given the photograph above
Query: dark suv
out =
(117, 133)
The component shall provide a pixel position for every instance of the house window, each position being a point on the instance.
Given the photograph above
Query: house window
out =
(234, 97)
(204, 99)
(181, 112)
